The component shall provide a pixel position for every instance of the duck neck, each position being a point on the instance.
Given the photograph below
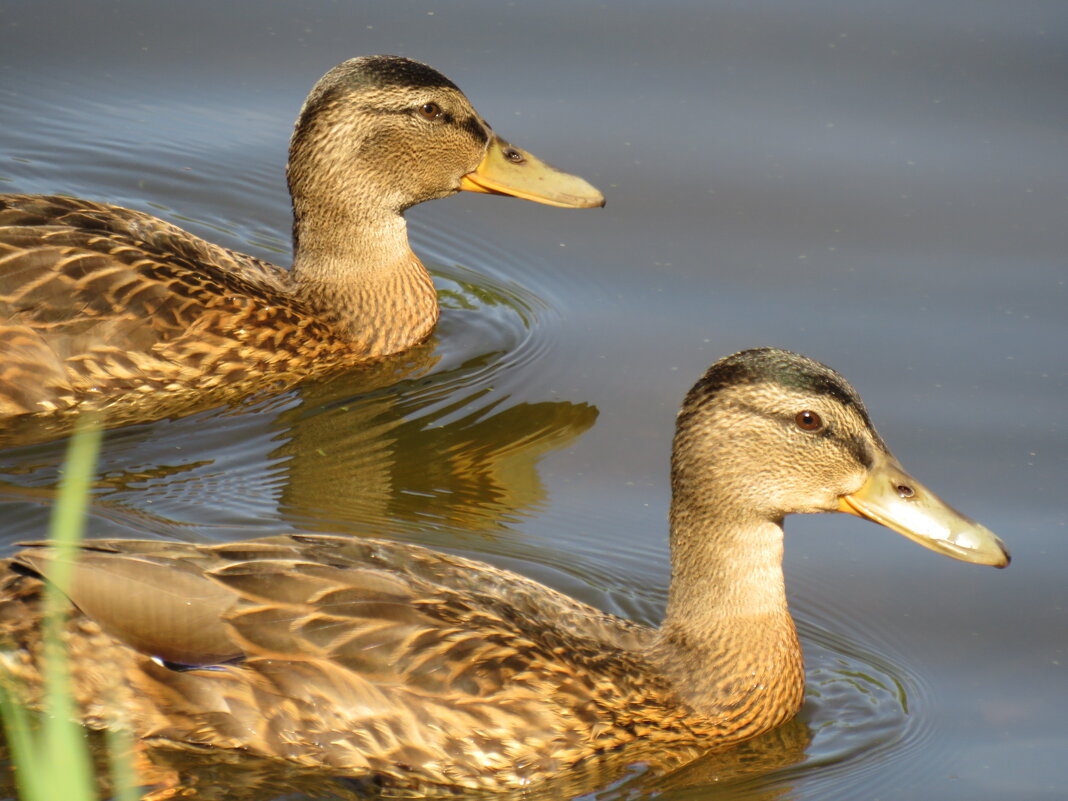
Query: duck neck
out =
(359, 273)
(728, 642)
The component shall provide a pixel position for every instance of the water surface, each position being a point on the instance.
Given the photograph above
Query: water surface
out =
(880, 186)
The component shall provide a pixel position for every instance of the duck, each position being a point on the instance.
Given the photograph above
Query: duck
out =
(103, 308)
(418, 669)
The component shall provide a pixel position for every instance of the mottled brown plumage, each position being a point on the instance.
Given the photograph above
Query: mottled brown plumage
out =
(379, 659)
(103, 308)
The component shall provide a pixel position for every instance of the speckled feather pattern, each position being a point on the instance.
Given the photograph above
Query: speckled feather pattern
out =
(105, 307)
(372, 657)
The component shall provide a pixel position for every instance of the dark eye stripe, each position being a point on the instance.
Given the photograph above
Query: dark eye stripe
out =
(470, 124)
(860, 450)
(474, 127)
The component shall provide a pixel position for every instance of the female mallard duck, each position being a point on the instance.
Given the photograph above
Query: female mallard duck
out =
(101, 306)
(377, 658)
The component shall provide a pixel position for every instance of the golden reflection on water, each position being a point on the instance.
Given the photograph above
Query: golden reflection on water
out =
(757, 770)
(386, 451)
(386, 465)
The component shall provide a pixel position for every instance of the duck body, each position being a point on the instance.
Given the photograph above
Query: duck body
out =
(103, 308)
(363, 657)
(422, 669)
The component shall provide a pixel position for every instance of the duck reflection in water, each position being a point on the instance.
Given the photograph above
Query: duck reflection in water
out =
(394, 449)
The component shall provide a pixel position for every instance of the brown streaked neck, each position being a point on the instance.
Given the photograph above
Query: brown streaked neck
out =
(728, 642)
(363, 278)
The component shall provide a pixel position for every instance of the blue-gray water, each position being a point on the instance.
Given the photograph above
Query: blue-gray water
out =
(882, 186)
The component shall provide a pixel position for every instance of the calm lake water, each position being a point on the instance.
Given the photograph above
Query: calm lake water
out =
(882, 186)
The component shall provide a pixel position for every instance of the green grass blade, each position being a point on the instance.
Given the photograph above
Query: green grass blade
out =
(124, 778)
(18, 729)
(64, 740)
(53, 761)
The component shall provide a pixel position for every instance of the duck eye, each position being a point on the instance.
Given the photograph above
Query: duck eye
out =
(808, 420)
(430, 111)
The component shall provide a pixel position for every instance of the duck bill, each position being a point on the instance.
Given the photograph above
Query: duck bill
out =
(893, 498)
(507, 170)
